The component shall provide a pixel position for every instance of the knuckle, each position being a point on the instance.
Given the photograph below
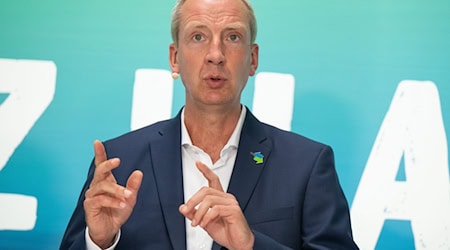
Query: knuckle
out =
(104, 200)
(209, 199)
(230, 196)
(119, 189)
(86, 202)
(88, 193)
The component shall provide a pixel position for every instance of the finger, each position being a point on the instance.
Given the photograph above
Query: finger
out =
(190, 207)
(100, 153)
(133, 184)
(226, 212)
(201, 195)
(210, 202)
(103, 171)
(108, 189)
(213, 179)
(135, 180)
(202, 209)
(116, 192)
(103, 201)
(186, 212)
(211, 216)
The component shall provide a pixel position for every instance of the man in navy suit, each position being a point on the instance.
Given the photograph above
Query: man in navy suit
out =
(163, 186)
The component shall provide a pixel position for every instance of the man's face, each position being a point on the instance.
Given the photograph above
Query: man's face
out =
(214, 55)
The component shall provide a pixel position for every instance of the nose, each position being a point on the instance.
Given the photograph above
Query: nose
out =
(216, 53)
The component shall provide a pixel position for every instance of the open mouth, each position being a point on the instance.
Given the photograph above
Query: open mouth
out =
(215, 81)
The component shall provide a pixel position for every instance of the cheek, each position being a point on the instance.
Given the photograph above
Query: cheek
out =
(244, 62)
(190, 58)
(186, 64)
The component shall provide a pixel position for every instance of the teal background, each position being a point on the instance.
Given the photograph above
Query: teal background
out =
(347, 58)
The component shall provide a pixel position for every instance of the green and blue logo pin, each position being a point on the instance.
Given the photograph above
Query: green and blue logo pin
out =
(257, 157)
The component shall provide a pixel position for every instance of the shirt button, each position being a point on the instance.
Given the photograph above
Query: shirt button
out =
(202, 246)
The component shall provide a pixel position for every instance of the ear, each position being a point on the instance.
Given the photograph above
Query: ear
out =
(173, 58)
(254, 59)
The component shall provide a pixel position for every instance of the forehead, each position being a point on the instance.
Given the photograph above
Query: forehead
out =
(214, 12)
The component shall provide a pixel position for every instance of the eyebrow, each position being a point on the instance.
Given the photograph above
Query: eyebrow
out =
(231, 26)
(235, 26)
(195, 26)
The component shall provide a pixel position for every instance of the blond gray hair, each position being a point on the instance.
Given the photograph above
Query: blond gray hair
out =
(176, 16)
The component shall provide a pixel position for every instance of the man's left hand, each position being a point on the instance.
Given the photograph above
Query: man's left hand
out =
(218, 213)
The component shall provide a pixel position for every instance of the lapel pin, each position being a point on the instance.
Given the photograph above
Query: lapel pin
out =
(257, 157)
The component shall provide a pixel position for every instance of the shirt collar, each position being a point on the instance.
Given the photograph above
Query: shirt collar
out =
(234, 138)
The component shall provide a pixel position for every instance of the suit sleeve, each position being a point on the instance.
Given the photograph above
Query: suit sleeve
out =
(74, 237)
(326, 218)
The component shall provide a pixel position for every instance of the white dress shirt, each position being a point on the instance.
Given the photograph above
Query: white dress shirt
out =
(193, 180)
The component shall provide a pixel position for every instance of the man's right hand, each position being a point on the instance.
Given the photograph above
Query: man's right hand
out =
(108, 205)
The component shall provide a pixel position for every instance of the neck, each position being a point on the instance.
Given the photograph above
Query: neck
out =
(210, 130)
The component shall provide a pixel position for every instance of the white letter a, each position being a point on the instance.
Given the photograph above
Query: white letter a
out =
(413, 128)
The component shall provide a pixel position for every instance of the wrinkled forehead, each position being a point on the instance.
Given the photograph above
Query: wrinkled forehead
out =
(226, 13)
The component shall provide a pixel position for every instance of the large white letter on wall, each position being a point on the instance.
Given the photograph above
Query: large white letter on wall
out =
(413, 129)
(152, 97)
(30, 86)
(273, 100)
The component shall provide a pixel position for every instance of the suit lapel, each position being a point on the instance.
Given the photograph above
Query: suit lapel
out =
(169, 175)
(166, 155)
(246, 169)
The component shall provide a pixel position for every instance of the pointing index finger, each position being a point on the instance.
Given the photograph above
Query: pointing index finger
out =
(100, 153)
(213, 179)
(103, 166)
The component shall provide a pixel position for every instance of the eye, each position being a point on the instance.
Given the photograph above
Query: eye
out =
(233, 38)
(197, 37)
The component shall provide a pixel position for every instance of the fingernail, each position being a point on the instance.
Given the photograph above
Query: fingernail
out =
(127, 193)
(183, 208)
(123, 205)
(194, 223)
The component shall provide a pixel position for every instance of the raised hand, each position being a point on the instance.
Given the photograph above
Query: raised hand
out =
(218, 213)
(108, 205)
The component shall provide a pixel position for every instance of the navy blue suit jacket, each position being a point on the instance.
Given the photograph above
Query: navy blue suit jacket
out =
(293, 200)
